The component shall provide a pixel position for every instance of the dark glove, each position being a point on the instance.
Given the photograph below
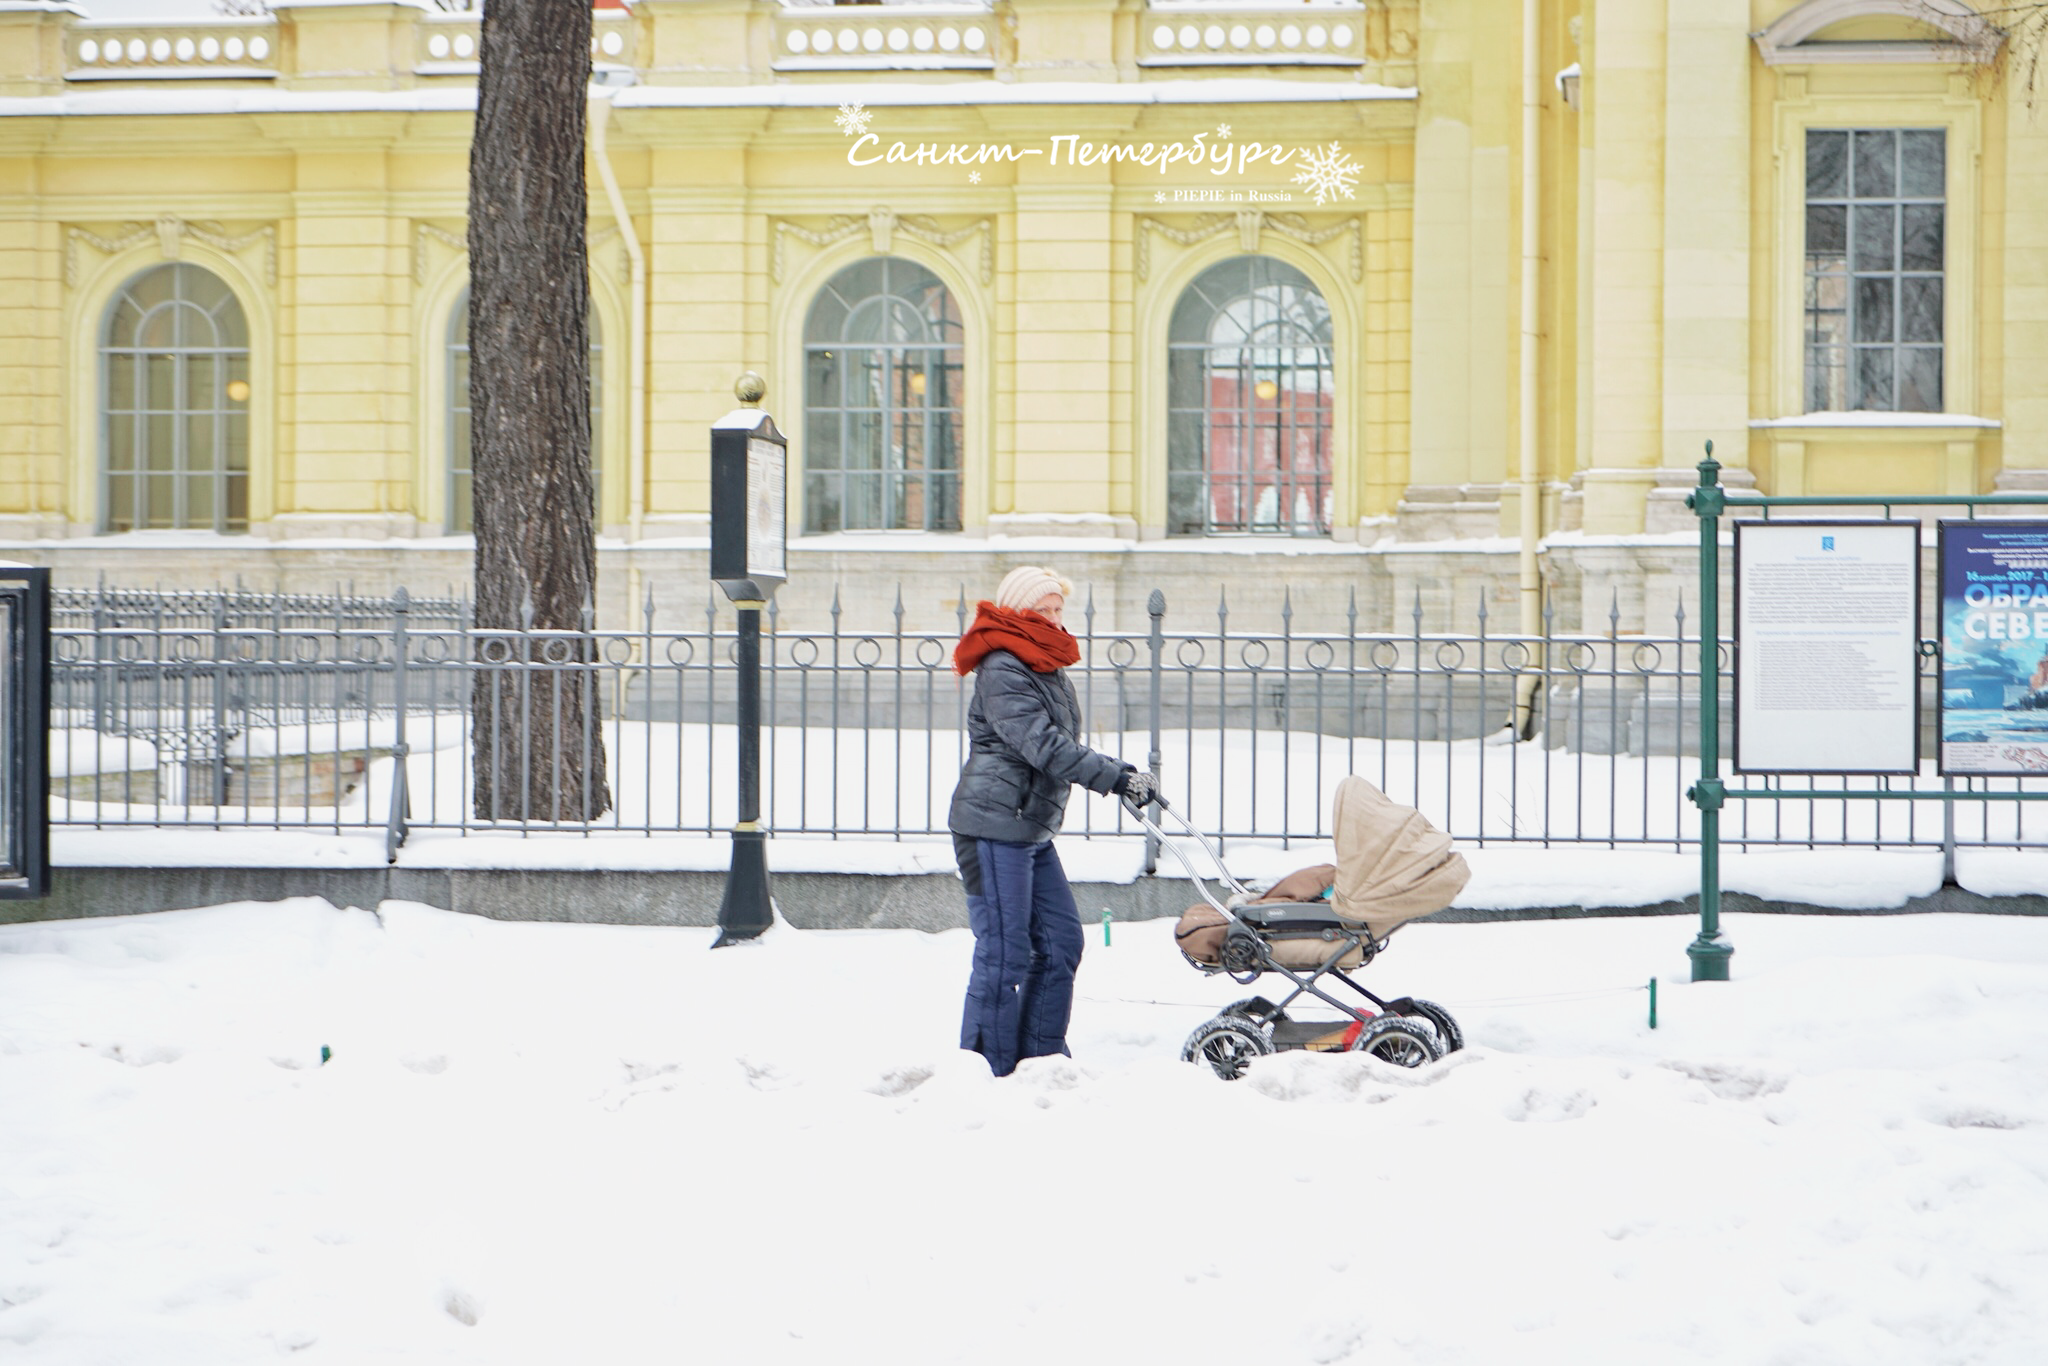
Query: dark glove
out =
(1137, 787)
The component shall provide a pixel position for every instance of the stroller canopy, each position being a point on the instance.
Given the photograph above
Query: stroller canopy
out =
(1392, 864)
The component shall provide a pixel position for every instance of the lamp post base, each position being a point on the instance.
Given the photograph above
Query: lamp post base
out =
(1710, 958)
(746, 909)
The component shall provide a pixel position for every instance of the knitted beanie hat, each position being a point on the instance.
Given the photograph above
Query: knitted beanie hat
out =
(1023, 586)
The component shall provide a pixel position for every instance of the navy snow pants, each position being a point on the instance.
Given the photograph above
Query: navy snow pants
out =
(1027, 944)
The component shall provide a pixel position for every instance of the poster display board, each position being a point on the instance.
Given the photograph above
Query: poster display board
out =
(24, 732)
(1994, 648)
(768, 528)
(1827, 618)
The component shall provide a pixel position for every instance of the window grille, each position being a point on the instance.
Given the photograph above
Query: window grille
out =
(1875, 230)
(883, 405)
(174, 376)
(1251, 377)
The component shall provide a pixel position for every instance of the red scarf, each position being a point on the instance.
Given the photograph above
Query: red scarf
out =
(1042, 646)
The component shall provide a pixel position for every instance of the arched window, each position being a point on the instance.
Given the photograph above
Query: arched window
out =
(460, 507)
(882, 414)
(1250, 380)
(174, 376)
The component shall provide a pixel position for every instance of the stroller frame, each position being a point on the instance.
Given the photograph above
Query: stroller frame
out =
(1405, 1031)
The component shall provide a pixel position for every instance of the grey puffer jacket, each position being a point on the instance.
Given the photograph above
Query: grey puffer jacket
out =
(1024, 754)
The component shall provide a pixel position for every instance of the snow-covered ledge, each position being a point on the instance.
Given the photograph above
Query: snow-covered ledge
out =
(1918, 422)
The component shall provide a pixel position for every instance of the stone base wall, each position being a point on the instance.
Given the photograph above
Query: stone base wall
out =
(1586, 582)
(1634, 584)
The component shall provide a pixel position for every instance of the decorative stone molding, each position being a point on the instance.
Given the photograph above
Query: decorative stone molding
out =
(170, 233)
(1250, 225)
(882, 225)
(424, 233)
(1973, 39)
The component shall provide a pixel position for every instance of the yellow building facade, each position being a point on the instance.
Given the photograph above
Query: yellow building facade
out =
(1343, 300)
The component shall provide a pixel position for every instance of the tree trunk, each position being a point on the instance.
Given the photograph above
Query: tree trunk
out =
(538, 745)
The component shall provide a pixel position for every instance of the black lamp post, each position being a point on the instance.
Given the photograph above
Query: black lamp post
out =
(749, 535)
(24, 732)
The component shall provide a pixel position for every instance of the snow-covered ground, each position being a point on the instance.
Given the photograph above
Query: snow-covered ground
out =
(557, 1143)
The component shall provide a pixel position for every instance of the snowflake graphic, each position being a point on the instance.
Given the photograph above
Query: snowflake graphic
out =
(1222, 130)
(1159, 196)
(974, 177)
(1328, 173)
(853, 120)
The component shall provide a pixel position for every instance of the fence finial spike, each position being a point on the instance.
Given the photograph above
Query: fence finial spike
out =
(526, 612)
(1156, 604)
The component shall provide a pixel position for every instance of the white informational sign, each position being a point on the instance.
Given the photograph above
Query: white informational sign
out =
(766, 487)
(1827, 639)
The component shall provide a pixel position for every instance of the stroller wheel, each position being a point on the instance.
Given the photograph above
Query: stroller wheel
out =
(1402, 1042)
(1227, 1043)
(1449, 1037)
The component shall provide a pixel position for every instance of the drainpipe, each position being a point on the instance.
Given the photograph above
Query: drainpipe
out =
(1532, 243)
(611, 82)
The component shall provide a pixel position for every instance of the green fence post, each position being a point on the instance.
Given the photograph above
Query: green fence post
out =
(1710, 952)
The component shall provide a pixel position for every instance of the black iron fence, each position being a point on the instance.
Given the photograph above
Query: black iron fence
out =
(248, 710)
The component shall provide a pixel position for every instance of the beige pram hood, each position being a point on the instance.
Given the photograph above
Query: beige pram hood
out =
(1392, 864)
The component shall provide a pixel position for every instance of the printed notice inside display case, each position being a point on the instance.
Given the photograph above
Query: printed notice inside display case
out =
(1827, 644)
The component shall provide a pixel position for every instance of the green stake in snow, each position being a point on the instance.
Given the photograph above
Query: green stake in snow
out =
(325, 1054)
(1653, 1003)
(1105, 927)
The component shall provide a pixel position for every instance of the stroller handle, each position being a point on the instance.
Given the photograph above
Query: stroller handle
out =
(1167, 843)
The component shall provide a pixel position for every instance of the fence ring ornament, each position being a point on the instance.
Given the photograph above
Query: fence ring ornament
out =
(803, 652)
(1579, 657)
(1515, 656)
(1244, 654)
(494, 650)
(867, 652)
(1383, 664)
(1649, 651)
(305, 649)
(367, 650)
(1726, 654)
(1323, 661)
(1450, 656)
(937, 656)
(187, 649)
(1181, 657)
(246, 649)
(433, 649)
(558, 650)
(1930, 649)
(1121, 654)
(689, 648)
(70, 649)
(618, 650)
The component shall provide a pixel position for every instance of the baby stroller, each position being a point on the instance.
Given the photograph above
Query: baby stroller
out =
(1312, 927)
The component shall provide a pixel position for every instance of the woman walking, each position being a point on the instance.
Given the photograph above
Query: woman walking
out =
(1024, 754)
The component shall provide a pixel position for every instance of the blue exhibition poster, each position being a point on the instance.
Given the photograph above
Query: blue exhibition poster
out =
(1994, 647)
